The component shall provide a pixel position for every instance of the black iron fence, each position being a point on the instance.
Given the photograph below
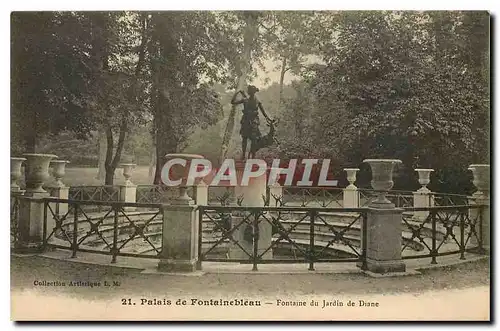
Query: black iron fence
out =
(156, 193)
(297, 234)
(117, 230)
(14, 219)
(312, 197)
(313, 234)
(440, 231)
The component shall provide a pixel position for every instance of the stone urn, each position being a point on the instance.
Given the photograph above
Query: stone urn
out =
(15, 172)
(37, 171)
(58, 171)
(381, 182)
(128, 169)
(180, 172)
(351, 176)
(481, 173)
(424, 178)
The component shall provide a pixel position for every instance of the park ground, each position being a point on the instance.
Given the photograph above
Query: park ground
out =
(25, 270)
(459, 292)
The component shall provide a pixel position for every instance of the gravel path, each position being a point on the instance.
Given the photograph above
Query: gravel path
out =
(26, 270)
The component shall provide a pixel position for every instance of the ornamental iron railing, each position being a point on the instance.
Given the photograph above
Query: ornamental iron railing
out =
(311, 235)
(117, 230)
(443, 231)
(312, 197)
(157, 193)
(14, 219)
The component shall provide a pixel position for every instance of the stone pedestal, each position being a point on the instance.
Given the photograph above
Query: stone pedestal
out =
(384, 223)
(128, 193)
(61, 192)
(383, 240)
(422, 198)
(351, 193)
(31, 208)
(350, 197)
(30, 223)
(253, 195)
(180, 239)
(128, 190)
(483, 223)
(481, 181)
(201, 194)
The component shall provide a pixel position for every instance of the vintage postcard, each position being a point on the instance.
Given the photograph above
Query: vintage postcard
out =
(250, 165)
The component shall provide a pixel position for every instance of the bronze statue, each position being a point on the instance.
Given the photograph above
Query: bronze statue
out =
(250, 122)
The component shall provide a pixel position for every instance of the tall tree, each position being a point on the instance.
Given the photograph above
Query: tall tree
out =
(188, 52)
(51, 76)
(243, 67)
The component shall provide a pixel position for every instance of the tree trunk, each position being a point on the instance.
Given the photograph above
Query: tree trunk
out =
(101, 141)
(152, 162)
(164, 85)
(282, 78)
(250, 35)
(110, 173)
(113, 161)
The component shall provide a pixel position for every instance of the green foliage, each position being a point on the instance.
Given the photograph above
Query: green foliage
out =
(404, 85)
(50, 76)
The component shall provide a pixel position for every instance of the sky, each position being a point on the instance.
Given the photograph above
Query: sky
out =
(273, 75)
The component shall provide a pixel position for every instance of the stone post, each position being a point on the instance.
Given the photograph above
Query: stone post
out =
(252, 195)
(31, 208)
(351, 193)
(180, 238)
(15, 174)
(423, 197)
(128, 190)
(481, 181)
(57, 188)
(201, 193)
(384, 228)
(180, 224)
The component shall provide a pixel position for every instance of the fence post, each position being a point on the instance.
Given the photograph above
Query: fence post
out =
(351, 193)
(31, 208)
(58, 190)
(180, 238)
(201, 193)
(481, 173)
(128, 190)
(384, 223)
(423, 197)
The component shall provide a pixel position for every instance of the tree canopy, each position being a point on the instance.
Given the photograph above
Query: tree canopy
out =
(407, 85)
